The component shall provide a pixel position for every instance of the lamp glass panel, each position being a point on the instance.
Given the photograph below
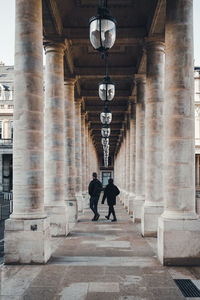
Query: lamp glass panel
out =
(105, 141)
(108, 33)
(105, 132)
(110, 91)
(106, 117)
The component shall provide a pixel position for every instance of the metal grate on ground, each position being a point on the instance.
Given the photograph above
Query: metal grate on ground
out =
(188, 288)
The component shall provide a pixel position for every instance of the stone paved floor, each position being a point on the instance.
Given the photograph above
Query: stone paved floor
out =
(98, 261)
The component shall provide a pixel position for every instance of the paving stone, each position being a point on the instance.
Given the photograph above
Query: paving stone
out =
(165, 294)
(75, 291)
(102, 296)
(106, 287)
(40, 293)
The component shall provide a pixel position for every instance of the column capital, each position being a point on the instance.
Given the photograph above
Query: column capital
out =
(78, 100)
(53, 46)
(140, 78)
(132, 99)
(153, 44)
(69, 81)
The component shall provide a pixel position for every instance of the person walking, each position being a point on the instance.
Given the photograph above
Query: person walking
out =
(110, 192)
(94, 190)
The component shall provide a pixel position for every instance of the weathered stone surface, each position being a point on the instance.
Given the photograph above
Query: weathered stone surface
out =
(153, 136)
(78, 155)
(71, 202)
(27, 245)
(178, 226)
(27, 233)
(54, 139)
(140, 149)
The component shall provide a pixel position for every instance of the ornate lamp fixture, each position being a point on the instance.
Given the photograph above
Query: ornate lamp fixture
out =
(106, 117)
(102, 28)
(106, 89)
(106, 147)
(106, 152)
(105, 141)
(105, 131)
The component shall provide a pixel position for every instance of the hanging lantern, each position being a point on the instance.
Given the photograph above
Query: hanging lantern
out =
(106, 153)
(106, 89)
(102, 29)
(105, 164)
(106, 147)
(105, 131)
(105, 141)
(106, 117)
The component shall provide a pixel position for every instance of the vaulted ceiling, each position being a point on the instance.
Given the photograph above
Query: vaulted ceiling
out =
(137, 21)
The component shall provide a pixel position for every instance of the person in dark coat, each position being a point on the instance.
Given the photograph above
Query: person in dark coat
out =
(94, 190)
(110, 192)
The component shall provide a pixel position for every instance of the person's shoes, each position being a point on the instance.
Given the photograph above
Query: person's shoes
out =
(97, 217)
(114, 220)
(107, 217)
(94, 219)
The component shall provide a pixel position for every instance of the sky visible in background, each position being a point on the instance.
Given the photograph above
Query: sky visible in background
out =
(7, 31)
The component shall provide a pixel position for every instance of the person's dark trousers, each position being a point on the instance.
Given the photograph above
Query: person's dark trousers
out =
(111, 211)
(94, 204)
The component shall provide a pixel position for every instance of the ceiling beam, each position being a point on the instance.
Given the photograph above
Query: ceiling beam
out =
(88, 71)
(97, 108)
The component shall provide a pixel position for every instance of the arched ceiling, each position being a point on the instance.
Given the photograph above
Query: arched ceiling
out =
(137, 20)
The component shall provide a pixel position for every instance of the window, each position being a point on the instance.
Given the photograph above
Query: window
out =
(105, 177)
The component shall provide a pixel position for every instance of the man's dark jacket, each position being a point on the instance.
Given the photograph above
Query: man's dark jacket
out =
(95, 188)
(110, 192)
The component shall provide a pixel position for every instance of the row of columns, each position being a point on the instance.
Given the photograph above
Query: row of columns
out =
(52, 150)
(164, 166)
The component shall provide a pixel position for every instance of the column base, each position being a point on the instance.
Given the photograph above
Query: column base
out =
(27, 241)
(58, 220)
(86, 203)
(79, 199)
(122, 196)
(137, 208)
(130, 203)
(149, 219)
(72, 212)
(125, 199)
(178, 242)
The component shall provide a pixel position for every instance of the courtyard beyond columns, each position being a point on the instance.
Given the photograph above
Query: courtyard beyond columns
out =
(98, 260)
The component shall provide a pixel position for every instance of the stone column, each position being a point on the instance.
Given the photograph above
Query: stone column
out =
(27, 233)
(153, 206)
(72, 208)
(78, 155)
(54, 139)
(1, 172)
(124, 166)
(178, 227)
(140, 149)
(84, 187)
(88, 175)
(127, 155)
(132, 156)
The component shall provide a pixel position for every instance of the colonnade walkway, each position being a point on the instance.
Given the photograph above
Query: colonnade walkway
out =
(99, 260)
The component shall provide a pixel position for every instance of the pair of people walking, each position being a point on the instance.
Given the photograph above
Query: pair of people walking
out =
(110, 193)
